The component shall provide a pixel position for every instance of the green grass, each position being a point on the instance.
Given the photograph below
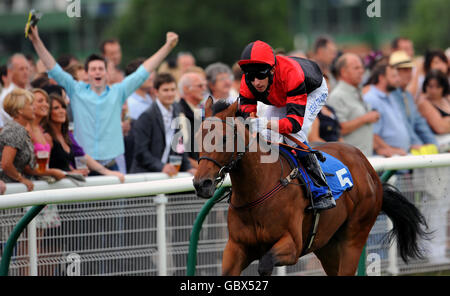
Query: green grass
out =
(433, 273)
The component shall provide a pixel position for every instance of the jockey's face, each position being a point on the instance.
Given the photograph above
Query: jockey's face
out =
(261, 84)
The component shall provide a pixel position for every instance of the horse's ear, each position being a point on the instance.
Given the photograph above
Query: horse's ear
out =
(208, 109)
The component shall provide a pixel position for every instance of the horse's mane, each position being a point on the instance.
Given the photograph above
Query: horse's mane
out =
(221, 105)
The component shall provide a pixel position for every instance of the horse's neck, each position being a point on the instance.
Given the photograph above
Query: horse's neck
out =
(253, 177)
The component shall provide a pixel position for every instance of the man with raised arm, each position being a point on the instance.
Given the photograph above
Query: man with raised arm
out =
(97, 106)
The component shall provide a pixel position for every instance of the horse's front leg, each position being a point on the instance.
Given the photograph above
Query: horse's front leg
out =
(283, 252)
(234, 259)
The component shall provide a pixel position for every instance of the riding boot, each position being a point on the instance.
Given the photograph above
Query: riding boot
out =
(325, 200)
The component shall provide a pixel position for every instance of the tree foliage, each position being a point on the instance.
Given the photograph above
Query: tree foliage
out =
(211, 30)
(428, 24)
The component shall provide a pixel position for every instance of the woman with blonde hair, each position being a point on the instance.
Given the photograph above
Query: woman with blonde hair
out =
(48, 221)
(16, 147)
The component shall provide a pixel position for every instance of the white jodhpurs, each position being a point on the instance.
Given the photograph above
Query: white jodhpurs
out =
(316, 100)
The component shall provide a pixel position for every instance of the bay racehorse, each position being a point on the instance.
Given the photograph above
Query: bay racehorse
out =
(275, 230)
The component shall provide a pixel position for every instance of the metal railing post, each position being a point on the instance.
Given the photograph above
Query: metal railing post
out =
(32, 247)
(193, 241)
(362, 263)
(161, 201)
(392, 253)
(14, 236)
(282, 270)
(362, 260)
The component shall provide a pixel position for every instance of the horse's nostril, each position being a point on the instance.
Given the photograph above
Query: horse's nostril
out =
(202, 184)
(207, 183)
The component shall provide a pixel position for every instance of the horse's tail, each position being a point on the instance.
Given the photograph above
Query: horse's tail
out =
(408, 222)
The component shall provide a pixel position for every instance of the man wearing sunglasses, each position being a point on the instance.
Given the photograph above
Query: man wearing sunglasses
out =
(294, 90)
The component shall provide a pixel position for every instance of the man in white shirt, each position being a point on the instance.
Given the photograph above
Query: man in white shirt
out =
(192, 89)
(355, 116)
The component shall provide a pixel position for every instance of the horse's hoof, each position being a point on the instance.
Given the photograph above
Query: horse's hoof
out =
(266, 264)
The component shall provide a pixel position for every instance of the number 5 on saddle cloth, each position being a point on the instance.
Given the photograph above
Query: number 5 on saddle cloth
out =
(337, 174)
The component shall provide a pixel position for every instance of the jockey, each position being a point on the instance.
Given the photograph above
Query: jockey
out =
(295, 90)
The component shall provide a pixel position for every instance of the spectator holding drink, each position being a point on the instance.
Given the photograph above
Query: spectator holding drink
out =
(49, 217)
(154, 136)
(66, 154)
(16, 147)
(40, 140)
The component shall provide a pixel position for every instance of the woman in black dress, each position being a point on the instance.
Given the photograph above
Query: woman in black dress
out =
(326, 127)
(64, 146)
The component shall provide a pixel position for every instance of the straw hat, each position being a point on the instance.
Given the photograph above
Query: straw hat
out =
(400, 59)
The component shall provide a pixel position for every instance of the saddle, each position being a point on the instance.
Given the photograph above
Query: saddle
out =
(338, 175)
(329, 164)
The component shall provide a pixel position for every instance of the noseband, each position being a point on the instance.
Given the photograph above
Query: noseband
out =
(232, 163)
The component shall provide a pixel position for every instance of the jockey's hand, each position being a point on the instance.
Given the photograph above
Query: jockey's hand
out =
(273, 125)
(258, 124)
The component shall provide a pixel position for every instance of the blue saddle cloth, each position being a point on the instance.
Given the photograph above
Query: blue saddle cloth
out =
(338, 175)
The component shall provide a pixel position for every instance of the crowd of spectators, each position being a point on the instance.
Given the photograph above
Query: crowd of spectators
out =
(120, 120)
(98, 118)
(386, 104)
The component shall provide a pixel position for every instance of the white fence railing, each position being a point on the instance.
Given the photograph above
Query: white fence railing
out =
(160, 251)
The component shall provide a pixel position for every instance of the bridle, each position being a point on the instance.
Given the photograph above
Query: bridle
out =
(235, 157)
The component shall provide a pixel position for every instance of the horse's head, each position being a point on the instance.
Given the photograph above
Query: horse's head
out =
(218, 138)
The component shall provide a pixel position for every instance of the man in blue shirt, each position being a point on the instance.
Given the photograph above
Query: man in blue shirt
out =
(418, 128)
(96, 105)
(391, 135)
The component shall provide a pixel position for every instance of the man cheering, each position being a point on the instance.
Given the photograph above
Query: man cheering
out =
(96, 105)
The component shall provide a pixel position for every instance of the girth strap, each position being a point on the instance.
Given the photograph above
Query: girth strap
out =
(312, 233)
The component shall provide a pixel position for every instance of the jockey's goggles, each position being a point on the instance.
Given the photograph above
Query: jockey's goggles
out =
(261, 74)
